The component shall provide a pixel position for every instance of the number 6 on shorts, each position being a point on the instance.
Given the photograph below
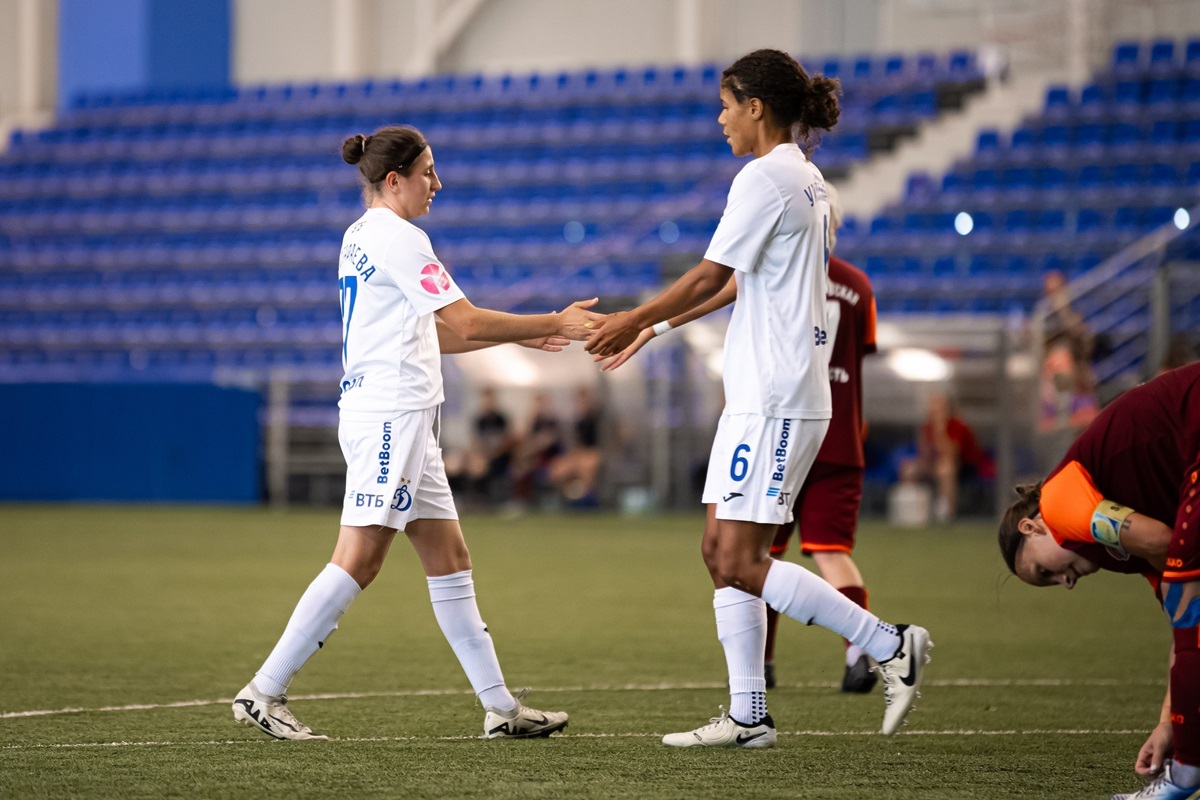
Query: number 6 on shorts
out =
(739, 466)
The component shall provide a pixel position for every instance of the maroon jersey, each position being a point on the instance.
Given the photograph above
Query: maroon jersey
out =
(850, 304)
(1137, 452)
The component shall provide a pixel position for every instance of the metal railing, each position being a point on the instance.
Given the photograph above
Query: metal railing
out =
(1134, 302)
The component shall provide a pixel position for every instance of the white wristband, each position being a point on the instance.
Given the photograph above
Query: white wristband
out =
(662, 327)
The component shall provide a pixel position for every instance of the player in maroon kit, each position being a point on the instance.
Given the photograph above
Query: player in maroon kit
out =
(1124, 499)
(827, 505)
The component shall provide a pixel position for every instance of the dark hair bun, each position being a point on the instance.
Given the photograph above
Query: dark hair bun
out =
(354, 148)
(820, 103)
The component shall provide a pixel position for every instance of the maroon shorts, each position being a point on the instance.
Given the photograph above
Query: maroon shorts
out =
(1183, 554)
(826, 510)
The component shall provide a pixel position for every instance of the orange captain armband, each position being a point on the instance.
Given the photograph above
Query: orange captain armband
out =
(1074, 510)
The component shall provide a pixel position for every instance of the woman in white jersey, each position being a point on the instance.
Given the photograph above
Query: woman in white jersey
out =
(773, 239)
(400, 312)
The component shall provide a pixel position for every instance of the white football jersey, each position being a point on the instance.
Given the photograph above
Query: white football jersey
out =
(774, 234)
(391, 283)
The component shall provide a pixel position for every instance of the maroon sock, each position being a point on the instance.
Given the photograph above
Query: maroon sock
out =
(856, 595)
(1185, 696)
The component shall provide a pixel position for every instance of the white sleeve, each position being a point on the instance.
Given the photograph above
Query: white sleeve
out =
(416, 271)
(751, 217)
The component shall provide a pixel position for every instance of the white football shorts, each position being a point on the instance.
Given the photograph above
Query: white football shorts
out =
(758, 465)
(394, 471)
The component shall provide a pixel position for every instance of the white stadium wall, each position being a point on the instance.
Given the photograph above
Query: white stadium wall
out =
(28, 56)
(312, 39)
(306, 40)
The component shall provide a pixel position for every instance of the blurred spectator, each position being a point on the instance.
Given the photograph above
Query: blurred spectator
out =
(1068, 383)
(484, 470)
(543, 442)
(574, 472)
(947, 455)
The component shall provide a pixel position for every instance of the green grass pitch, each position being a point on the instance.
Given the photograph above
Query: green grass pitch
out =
(1031, 693)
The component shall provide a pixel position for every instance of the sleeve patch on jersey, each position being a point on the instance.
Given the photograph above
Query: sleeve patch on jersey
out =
(436, 280)
(1068, 501)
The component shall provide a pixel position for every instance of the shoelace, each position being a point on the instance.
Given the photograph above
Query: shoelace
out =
(889, 683)
(281, 710)
(1162, 781)
(715, 721)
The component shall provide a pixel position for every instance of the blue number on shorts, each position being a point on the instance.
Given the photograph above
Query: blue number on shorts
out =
(739, 467)
(349, 291)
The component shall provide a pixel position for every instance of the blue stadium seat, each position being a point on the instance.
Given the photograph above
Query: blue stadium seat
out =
(1191, 59)
(1058, 103)
(1162, 56)
(1126, 57)
(1163, 91)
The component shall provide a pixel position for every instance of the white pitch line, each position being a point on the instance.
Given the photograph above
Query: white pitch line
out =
(372, 739)
(630, 687)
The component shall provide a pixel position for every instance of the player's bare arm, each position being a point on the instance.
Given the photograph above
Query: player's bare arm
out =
(718, 301)
(1159, 744)
(450, 343)
(696, 286)
(1146, 538)
(474, 324)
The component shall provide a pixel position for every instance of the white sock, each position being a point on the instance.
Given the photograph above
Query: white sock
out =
(314, 620)
(453, 598)
(1184, 774)
(742, 629)
(792, 590)
(853, 653)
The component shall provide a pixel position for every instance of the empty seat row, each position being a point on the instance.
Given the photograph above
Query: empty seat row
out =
(1161, 54)
(469, 88)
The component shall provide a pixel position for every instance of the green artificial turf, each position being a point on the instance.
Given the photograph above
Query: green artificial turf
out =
(1031, 693)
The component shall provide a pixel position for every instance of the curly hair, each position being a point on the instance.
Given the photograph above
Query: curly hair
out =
(796, 100)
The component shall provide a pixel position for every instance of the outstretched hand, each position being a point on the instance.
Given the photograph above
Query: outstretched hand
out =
(551, 344)
(577, 323)
(617, 332)
(609, 363)
(1155, 752)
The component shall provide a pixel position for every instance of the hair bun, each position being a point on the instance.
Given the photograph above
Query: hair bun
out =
(1029, 490)
(354, 148)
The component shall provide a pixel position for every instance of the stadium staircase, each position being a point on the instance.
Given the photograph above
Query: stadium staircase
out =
(1098, 168)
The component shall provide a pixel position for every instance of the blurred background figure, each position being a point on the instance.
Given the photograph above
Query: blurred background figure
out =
(948, 455)
(541, 444)
(484, 472)
(1068, 382)
(574, 472)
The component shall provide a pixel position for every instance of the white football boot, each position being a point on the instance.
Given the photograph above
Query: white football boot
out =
(725, 731)
(1161, 788)
(269, 715)
(902, 675)
(523, 723)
